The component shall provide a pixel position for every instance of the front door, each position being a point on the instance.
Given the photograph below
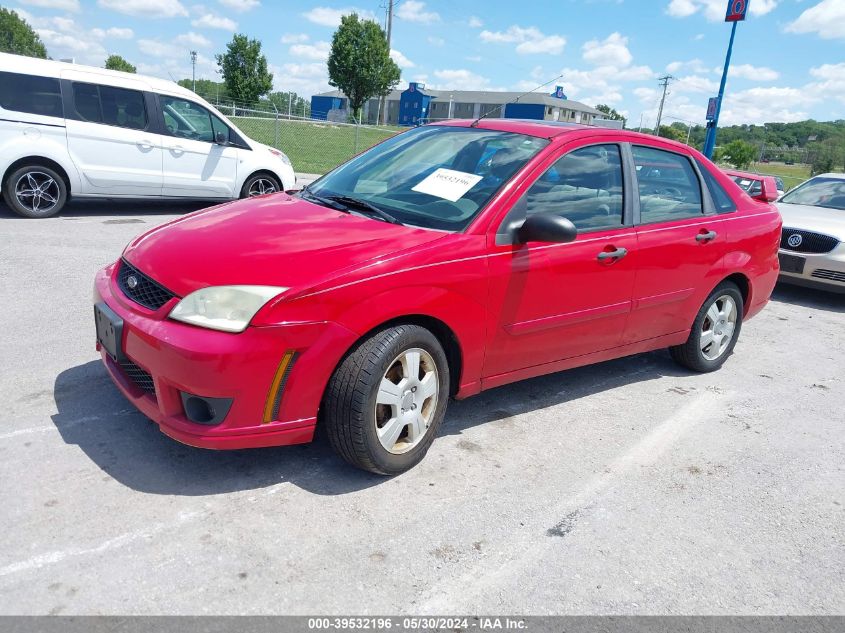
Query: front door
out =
(681, 244)
(550, 302)
(198, 161)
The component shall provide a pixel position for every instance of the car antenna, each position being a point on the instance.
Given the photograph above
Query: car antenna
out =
(492, 110)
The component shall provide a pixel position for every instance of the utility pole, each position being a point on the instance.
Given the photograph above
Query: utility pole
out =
(194, 71)
(665, 79)
(389, 36)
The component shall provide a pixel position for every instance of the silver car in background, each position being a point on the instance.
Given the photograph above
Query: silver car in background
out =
(812, 246)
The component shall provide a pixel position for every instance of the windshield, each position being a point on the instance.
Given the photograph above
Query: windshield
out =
(434, 177)
(819, 192)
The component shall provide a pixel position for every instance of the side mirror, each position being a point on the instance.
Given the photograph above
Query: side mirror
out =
(768, 190)
(220, 138)
(547, 227)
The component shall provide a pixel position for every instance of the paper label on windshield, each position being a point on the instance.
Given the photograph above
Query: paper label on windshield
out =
(448, 184)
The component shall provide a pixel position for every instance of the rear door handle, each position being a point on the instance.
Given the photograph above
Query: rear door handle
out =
(145, 144)
(618, 254)
(706, 237)
(177, 149)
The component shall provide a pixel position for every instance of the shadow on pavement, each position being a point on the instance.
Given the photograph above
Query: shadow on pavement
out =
(809, 297)
(93, 415)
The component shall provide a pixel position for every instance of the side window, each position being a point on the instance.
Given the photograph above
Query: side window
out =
(30, 94)
(724, 203)
(668, 185)
(584, 186)
(218, 127)
(110, 105)
(187, 119)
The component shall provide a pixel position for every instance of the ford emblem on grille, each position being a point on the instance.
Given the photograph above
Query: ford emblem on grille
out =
(132, 281)
(794, 241)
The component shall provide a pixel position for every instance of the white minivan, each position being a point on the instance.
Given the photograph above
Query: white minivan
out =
(69, 130)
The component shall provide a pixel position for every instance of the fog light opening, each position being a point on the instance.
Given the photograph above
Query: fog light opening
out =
(198, 410)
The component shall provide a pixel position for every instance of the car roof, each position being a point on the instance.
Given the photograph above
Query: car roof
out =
(745, 174)
(555, 129)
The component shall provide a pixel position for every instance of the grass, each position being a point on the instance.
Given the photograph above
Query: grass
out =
(314, 147)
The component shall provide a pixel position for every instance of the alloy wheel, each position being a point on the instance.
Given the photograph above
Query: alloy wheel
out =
(261, 186)
(718, 327)
(37, 191)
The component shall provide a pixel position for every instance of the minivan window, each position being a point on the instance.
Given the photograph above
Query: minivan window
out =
(30, 94)
(668, 185)
(187, 119)
(585, 186)
(110, 105)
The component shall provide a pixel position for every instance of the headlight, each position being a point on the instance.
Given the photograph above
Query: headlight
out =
(280, 155)
(226, 308)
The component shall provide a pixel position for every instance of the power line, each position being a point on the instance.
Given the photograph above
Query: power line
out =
(665, 79)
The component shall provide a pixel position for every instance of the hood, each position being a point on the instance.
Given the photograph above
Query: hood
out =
(275, 240)
(810, 218)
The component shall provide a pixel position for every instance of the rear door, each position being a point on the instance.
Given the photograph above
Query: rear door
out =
(111, 136)
(550, 302)
(195, 163)
(681, 243)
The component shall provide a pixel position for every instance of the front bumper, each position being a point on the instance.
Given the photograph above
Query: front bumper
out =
(825, 271)
(181, 358)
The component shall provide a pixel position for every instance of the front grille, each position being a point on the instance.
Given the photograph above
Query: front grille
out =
(831, 275)
(810, 242)
(138, 376)
(146, 292)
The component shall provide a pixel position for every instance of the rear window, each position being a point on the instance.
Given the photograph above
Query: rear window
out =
(721, 199)
(109, 105)
(30, 94)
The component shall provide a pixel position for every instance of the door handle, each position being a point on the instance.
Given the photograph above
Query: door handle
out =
(145, 144)
(177, 149)
(616, 255)
(706, 237)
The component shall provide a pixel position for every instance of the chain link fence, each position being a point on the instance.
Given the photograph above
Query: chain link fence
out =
(313, 146)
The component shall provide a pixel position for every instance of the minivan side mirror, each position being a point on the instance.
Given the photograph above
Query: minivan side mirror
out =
(220, 138)
(768, 190)
(547, 227)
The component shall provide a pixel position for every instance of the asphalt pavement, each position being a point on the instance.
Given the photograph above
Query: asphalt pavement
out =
(629, 487)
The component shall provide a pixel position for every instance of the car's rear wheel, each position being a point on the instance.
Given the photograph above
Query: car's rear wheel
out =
(386, 400)
(259, 185)
(714, 332)
(35, 191)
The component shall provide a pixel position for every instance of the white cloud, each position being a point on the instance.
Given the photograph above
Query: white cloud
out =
(460, 79)
(113, 33)
(327, 16)
(294, 38)
(693, 65)
(62, 5)
(241, 6)
(146, 8)
(304, 79)
(754, 73)
(318, 51)
(414, 11)
(528, 40)
(612, 51)
(475, 23)
(213, 21)
(826, 19)
(193, 39)
(70, 43)
(715, 10)
(401, 61)
(436, 41)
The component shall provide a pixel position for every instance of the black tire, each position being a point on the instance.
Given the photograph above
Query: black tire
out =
(254, 179)
(349, 405)
(691, 354)
(40, 206)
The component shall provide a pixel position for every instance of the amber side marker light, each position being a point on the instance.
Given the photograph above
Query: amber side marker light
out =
(274, 398)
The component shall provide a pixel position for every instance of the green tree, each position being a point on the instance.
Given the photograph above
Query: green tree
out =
(17, 37)
(244, 70)
(738, 153)
(359, 62)
(298, 106)
(673, 132)
(116, 62)
(213, 91)
(611, 113)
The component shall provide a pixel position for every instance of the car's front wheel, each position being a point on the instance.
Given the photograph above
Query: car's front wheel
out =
(714, 332)
(35, 191)
(387, 398)
(259, 185)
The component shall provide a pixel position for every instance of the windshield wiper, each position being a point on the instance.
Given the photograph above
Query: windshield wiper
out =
(326, 202)
(363, 205)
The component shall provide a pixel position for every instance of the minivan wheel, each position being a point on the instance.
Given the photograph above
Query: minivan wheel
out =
(714, 332)
(260, 184)
(35, 191)
(386, 400)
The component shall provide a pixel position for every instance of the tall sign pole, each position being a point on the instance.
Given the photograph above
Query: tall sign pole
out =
(737, 10)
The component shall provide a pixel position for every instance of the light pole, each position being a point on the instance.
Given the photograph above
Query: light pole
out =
(737, 10)
(194, 71)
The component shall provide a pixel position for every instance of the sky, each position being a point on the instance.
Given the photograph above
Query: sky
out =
(788, 64)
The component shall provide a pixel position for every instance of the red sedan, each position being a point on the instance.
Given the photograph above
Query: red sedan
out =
(447, 260)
